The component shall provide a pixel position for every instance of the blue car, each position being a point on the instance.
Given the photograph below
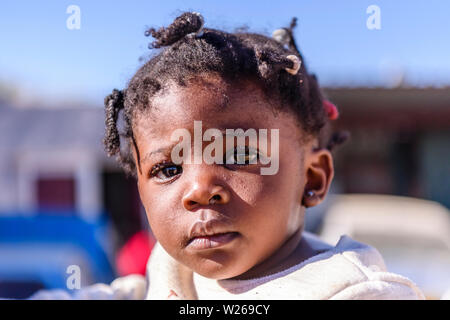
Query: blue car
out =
(43, 251)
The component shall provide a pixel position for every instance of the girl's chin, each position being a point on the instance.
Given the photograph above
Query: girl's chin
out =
(219, 271)
(219, 275)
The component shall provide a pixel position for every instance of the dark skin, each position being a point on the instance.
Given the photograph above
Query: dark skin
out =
(266, 211)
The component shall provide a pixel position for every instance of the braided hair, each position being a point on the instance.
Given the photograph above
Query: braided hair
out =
(186, 49)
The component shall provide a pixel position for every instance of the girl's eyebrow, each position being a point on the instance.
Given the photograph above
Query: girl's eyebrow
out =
(164, 150)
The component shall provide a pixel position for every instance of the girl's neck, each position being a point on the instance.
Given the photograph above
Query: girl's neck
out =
(292, 252)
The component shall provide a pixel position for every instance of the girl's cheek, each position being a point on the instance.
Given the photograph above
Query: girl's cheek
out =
(248, 188)
(162, 205)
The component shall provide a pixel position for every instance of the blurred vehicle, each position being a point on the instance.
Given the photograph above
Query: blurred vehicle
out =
(36, 252)
(412, 235)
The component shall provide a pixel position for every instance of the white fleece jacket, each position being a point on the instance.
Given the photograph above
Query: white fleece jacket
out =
(349, 270)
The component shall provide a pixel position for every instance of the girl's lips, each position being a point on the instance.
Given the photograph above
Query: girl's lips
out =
(212, 241)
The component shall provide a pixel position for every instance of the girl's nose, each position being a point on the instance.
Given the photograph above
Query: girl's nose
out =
(203, 191)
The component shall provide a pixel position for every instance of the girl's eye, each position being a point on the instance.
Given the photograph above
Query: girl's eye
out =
(242, 156)
(165, 171)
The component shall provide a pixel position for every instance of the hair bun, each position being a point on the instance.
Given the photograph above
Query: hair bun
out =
(187, 23)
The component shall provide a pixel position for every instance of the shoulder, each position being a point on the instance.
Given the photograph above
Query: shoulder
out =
(382, 286)
(375, 281)
(348, 270)
(354, 270)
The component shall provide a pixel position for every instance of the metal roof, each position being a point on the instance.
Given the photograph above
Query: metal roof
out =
(63, 128)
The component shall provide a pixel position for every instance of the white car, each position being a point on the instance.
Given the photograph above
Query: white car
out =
(412, 235)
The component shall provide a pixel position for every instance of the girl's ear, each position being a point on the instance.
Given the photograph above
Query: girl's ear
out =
(319, 174)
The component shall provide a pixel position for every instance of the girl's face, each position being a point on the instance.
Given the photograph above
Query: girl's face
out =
(252, 215)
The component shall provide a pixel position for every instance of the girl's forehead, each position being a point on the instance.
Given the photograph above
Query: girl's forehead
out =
(212, 98)
(217, 104)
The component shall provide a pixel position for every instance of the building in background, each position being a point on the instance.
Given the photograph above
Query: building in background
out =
(400, 141)
(62, 201)
(52, 160)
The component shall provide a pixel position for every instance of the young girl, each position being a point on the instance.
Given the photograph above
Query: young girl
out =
(224, 229)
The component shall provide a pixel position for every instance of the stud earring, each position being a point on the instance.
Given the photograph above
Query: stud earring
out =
(310, 193)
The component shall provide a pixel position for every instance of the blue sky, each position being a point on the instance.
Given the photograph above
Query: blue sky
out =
(41, 55)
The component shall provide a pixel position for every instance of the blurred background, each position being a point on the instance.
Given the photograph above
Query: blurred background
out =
(63, 202)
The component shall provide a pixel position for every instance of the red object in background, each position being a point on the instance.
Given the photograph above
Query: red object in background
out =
(132, 257)
(331, 110)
